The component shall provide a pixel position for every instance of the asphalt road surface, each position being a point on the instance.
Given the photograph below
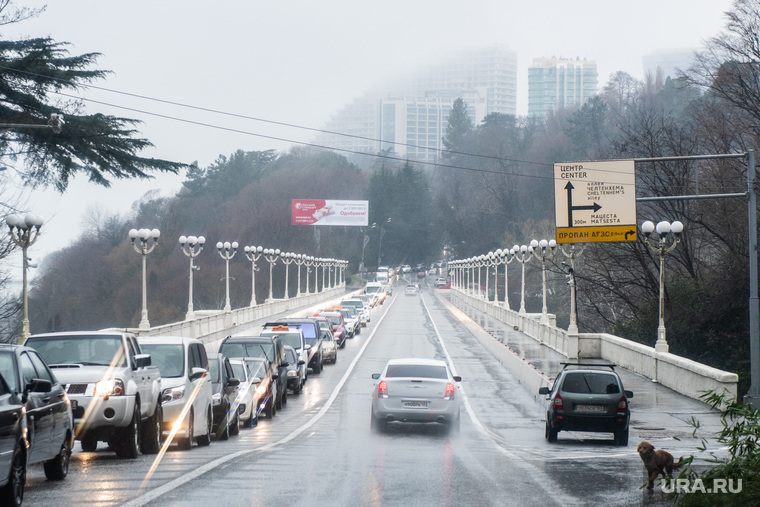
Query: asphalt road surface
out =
(319, 449)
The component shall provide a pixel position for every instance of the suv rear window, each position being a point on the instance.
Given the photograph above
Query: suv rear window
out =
(416, 370)
(590, 383)
(265, 350)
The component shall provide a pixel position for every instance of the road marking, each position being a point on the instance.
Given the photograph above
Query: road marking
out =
(187, 477)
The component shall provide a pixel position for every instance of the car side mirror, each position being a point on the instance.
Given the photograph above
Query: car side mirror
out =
(232, 382)
(457, 378)
(255, 380)
(275, 376)
(301, 362)
(284, 364)
(543, 390)
(308, 348)
(39, 385)
(629, 394)
(142, 360)
(197, 373)
(375, 376)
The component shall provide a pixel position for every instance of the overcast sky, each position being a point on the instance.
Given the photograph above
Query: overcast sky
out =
(299, 61)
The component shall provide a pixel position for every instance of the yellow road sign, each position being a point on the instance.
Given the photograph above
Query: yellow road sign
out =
(596, 234)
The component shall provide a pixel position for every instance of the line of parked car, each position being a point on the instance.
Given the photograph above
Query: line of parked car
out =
(136, 394)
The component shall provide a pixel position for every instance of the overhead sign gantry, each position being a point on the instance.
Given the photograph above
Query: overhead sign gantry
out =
(595, 201)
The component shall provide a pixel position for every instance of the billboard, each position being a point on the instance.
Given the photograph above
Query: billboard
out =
(329, 212)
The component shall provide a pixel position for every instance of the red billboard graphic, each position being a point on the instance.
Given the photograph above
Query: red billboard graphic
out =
(329, 212)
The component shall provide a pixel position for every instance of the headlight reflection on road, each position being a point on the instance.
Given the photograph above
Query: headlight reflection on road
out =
(175, 428)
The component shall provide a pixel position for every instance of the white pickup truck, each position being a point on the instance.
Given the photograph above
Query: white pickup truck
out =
(115, 393)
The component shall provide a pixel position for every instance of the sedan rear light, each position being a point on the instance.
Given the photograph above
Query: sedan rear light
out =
(450, 392)
(382, 389)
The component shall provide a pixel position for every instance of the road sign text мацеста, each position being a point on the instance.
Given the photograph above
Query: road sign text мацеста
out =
(595, 201)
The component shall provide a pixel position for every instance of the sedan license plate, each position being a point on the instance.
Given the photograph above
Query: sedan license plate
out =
(414, 404)
(595, 409)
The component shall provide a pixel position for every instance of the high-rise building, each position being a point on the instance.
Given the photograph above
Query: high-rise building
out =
(669, 61)
(556, 83)
(409, 117)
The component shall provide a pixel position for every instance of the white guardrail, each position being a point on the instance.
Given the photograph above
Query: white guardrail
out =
(684, 376)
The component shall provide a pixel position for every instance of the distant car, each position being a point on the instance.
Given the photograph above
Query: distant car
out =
(266, 386)
(183, 364)
(416, 390)
(296, 370)
(224, 386)
(351, 318)
(50, 421)
(325, 326)
(406, 268)
(433, 271)
(13, 446)
(329, 346)
(270, 348)
(440, 282)
(339, 329)
(310, 328)
(361, 308)
(411, 290)
(587, 397)
(420, 274)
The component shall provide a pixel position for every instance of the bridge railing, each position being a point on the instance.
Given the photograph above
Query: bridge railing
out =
(684, 376)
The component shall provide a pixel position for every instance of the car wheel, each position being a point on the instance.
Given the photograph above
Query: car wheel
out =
(342, 344)
(152, 432)
(284, 396)
(223, 431)
(205, 439)
(551, 433)
(278, 401)
(248, 423)
(58, 468)
(89, 443)
(621, 437)
(13, 491)
(187, 443)
(377, 424)
(128, 446)
(297, 389)
(235, 425)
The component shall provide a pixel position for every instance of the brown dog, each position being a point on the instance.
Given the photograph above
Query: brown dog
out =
(656, 462)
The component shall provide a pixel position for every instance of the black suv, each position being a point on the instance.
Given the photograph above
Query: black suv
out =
(587, 397)
(270, 348)
(224, 389)
(310, 328)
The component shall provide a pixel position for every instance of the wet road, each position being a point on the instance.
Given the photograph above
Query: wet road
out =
(319, 449)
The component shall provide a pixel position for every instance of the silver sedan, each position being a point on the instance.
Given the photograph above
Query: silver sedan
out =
(416, 390)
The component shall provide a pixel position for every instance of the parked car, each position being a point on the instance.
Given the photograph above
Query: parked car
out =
(310, 328)
(329, 346)
(351, 320)
(246, 394)
(183, 364)
(406, 268)
(224, 387)
(292, 337)
(377, 290)
(420, 274)
(50, 421)
(325, 327)
(114, 390)
(415, 390)
(339, 329)
(266, 386)
(441, 282)
(361, 308)
(270, 348)
(13, 446)
(587, 397)
(410, 290)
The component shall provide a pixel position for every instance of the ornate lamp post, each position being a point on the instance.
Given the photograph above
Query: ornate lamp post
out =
(671, 232)
(506, 256)
(148, 241)
(271, 256)
(487, 261)
(24, 231)
(523, 255)
(300, 261)
(309, 262)
(323, 264)
(191, 247)
(227, 251)
(252, 253)
(287, 259)
(540, 250)
(572, 328)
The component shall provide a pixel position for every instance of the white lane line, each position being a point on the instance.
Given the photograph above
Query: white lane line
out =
(189, 476)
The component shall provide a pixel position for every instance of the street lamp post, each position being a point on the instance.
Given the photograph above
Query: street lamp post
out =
(191, 247)
(300, 261)
(488, 260)
(227, 251)
(309, 262)
(287, 259)
(380, 242)
(572, 328)
(253, 253)
(144, 247)
(523, 255)
(506, 257)
(271, 256)
(545, 250)
(666, 231)
(24, 231)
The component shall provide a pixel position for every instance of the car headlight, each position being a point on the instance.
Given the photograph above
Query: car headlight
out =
(216, 399)
(292, 373)
(261, 390)
(172, 393)
(109, 387)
